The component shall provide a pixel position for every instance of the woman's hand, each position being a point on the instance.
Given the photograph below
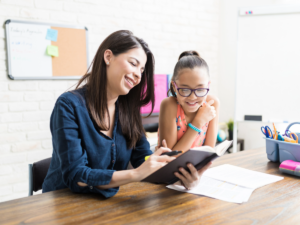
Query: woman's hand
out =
(191, 179)
(205, 114)
(154, 162)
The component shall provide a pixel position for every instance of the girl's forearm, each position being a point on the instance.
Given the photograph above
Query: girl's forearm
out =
(212, 131)
(186, 141)
(211, 136)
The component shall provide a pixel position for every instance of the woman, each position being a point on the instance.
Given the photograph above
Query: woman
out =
(97, 129)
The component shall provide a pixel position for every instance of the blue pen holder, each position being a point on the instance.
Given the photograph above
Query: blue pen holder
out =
(279, 151)
(289, 151)
(272, 149)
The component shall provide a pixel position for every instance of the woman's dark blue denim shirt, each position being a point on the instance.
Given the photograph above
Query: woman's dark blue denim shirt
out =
(81, 153)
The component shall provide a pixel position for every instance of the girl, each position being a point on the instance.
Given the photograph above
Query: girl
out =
(190, 118)
(97, 129)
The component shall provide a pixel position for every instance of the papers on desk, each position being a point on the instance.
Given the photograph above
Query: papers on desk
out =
(218, 189)
(229, 183)
(241, 176)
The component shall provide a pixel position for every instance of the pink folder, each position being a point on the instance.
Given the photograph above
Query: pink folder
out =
(160, 92)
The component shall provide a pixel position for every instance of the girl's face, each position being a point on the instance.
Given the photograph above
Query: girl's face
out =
(124, 71)
(192, 79)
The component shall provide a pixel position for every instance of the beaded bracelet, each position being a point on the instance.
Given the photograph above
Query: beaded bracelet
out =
(195, 128)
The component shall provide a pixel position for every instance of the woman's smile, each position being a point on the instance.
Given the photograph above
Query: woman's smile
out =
(129, 82)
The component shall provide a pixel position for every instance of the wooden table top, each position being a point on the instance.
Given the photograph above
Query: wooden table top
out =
(144, 203)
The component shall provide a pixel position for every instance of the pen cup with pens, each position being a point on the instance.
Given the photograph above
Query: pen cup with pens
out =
(282, 147)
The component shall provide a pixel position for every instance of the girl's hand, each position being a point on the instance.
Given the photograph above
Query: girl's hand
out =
(205, 114)
(154, 162)
(164, 143)
(191, 179)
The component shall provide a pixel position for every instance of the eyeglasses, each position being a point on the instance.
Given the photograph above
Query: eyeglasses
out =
(186, 92)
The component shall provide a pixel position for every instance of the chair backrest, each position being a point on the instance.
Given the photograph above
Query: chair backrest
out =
(37, 174)
(152, 127)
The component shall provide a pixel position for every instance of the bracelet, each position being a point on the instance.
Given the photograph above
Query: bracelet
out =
(195, 128)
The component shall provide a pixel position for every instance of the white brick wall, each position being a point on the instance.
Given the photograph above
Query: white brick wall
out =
(169, 27)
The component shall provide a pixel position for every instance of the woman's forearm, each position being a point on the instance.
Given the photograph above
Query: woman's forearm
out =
(118, 178)
(153, 163)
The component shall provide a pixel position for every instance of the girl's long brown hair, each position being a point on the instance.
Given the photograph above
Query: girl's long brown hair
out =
(129, 105)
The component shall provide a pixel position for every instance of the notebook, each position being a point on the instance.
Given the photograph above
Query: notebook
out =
(198, 156)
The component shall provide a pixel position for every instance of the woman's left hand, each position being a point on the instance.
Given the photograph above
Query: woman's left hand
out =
(191, 179)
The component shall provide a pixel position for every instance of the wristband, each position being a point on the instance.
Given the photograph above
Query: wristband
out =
(195, 128)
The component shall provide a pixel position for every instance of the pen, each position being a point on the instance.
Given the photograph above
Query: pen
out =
(175, 152)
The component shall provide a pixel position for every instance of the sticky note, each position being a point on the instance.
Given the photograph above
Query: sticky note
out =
(52, 35)
(52, 50)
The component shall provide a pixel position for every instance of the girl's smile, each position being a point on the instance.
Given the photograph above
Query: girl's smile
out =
(192, 104)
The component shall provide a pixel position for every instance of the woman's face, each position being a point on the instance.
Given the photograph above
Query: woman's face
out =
(124, 71)
(192, 79)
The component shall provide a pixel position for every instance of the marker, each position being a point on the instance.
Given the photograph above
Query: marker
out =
(167, 153)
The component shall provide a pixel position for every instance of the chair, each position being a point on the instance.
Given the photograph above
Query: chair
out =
(37, 174)
(152, 127)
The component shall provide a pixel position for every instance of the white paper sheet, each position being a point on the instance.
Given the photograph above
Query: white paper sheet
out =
(218, 189)
(240, 176)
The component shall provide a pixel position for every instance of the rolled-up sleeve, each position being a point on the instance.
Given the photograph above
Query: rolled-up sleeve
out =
(72, 156)
(139, 153)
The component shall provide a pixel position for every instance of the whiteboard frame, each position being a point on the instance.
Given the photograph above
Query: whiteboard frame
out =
(267, 10)
(7, 22)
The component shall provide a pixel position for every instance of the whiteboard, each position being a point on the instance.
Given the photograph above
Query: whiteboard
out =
(26, 51)
(27, 47)
(268, 66)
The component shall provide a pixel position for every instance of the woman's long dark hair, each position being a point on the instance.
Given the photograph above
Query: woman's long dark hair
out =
(129, 105)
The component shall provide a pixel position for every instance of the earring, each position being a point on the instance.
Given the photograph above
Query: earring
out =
(107, 63)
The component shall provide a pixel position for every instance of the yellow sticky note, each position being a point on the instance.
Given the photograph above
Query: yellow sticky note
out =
(52, 50)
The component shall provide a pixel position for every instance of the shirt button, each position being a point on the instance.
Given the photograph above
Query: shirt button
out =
(91, 187)
(113, 145)
(113, 161)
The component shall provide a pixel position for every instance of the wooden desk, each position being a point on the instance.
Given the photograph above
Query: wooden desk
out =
(142, 203)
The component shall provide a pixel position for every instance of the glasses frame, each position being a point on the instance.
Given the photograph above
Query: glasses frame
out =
(192, 90)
